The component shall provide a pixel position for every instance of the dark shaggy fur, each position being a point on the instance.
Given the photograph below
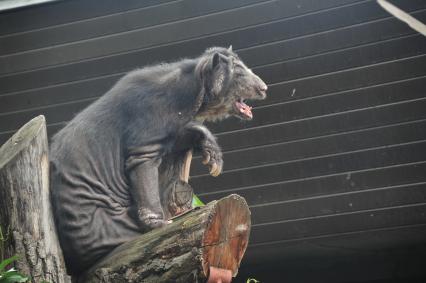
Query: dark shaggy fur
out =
(112, 165)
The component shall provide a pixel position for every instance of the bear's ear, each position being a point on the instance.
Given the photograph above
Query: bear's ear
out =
(217, 77)
(230, 48)
(219, 59)
(215, 60)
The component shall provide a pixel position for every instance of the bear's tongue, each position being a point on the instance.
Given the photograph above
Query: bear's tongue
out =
(244, 109)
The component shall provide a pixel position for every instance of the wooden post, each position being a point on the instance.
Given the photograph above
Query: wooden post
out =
(25, 209)
(213, 237)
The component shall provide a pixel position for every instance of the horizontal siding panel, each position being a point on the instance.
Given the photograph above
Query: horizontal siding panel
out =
(261, 54)
(53, 115)
(288, 111)
(264, 116)
(352, 34)
(64, 93)
(324, 125)
(62, 12)
(382, 255)
(115, 23)
(77, 91)
(345, 80)
(144, 38)
(19, 102)
(331, 164)
(343, 59)
(334, 183)
(341, 203)
(278, 132)
(363, 220)
(327, 104)
(319, 146)
(281, 30)
(331, 246)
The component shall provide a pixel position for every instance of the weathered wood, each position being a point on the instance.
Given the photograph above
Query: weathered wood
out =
(215, 235)
(25, 208)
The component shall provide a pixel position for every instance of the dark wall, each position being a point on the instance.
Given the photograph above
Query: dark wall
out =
(333, 164)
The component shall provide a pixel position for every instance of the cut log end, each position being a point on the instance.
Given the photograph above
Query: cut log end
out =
(226, 237)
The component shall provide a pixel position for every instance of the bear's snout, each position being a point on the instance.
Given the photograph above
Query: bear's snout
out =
(260, 87)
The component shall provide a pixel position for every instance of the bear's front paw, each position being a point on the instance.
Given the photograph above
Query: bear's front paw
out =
(212, 156)
(149, 220)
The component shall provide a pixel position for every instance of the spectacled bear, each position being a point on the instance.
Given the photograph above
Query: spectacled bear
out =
(112, 165)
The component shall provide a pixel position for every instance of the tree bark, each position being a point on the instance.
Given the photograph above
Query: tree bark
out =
(25, 209)
(215, 235)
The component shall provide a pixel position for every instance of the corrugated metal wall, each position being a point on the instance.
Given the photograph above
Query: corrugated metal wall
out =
(334, 163)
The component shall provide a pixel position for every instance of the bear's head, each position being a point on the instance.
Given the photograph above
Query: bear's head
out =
(227, 84)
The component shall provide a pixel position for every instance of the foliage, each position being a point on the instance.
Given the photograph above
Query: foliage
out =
(3, 239)
(10, 275)
(196, 202)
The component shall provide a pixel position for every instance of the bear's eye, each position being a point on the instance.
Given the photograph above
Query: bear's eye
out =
(238, 66)
(238, 73)
(238, 69)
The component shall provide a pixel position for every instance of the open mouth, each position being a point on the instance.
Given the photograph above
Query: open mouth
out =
(243, 110)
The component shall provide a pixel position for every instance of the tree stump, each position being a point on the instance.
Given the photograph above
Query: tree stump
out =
(209, 238)
(25, 209)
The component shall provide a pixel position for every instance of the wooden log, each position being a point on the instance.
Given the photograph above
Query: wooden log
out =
(213, 237)
(25, 208)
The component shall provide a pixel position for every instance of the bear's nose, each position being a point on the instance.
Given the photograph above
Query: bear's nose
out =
(263, 87)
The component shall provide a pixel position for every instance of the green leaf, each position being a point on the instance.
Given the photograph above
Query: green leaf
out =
(7, 261)
(12, 276)
(196, 202)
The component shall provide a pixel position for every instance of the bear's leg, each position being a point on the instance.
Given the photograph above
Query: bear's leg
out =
(142, 169)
